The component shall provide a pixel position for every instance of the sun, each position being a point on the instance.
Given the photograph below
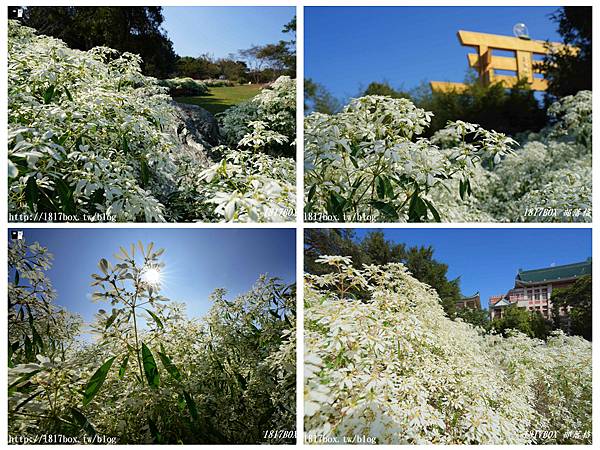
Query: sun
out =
(152, 276)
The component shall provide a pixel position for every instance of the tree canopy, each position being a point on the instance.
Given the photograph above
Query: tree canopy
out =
(133, 29)
(375, 249)
(568, 73)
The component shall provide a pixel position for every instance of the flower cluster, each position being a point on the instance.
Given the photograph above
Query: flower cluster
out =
(368, 163)
(393, 367)
(245, 186)
(86, 131)
(92, 138)
(185, 86)
(273, 109)
(368, 160)
(152, 374)
(552, 171)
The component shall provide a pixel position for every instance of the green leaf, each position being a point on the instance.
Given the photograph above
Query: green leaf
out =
(69, 96)
(434, 211)
(37, 340)
(144, 172)
(28, 349)
(380, 186)
(103, 265)
(17, 277)
(191, 404)
(12, 388)
(462, 188)
(311, 193)
(65, 195)
(123, 366)
(417, 209)
(93, 386)
(156, 319)
(180, 403)
(169, 366)
(32, 193)
(336, 205)
(125, 144)
(83, 422)
(154, 431)
(387, 209)
(241, 380)
(48, 94)
(28, 399)
(150, 367)
(111, 319)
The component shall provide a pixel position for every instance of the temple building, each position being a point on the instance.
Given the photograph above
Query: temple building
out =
(533, 288)
(472, 302)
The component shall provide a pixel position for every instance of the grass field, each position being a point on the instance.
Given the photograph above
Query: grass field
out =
(219, 99)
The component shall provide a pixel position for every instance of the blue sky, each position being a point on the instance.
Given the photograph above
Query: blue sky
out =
(221, 30)
(197, 261)
(487, 259)
(348, 47)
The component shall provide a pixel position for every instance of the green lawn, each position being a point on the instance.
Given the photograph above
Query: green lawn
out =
(219, 99)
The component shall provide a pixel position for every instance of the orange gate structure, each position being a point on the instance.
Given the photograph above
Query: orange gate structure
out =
(486, 63)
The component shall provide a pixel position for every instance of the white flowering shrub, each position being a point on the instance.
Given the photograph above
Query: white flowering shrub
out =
(185, 86)
(245, 186)
(92, 139)
(153, 375)
(367, 163)
(274, 109)
(393, 368)
(217, 82)
(86, 131)
(549, 178)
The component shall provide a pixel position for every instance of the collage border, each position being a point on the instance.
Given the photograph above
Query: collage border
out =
(299, 224)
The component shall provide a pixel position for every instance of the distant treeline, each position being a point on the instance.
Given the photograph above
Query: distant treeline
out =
(139, 30)
(510, 111)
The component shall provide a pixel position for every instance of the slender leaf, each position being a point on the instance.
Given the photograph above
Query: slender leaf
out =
(31, 193)
(169, 366)
(191, 404)
(387, 209)
(83, 422)
(434, 211)
(123, 366)
(150, 367)
(155, 317)
(49, 94)
(103, 265)
(96, 382)
(154, 431)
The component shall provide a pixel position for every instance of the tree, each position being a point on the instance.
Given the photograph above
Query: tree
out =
(384, 88)
(531, 323)
(270, 61)
(36, 324)
(127, 29)
(509, 111)
(375, 249)
(318, 99)
(576, 300)
(475, 316)
(253, 60)
(334, 241)
(567, 72)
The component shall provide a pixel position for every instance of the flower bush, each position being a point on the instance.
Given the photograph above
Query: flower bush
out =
(392, 367)
(274, 108)
(367, 163)
(217, 82)
(92, 139)
(186, 86)
(152, 375)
